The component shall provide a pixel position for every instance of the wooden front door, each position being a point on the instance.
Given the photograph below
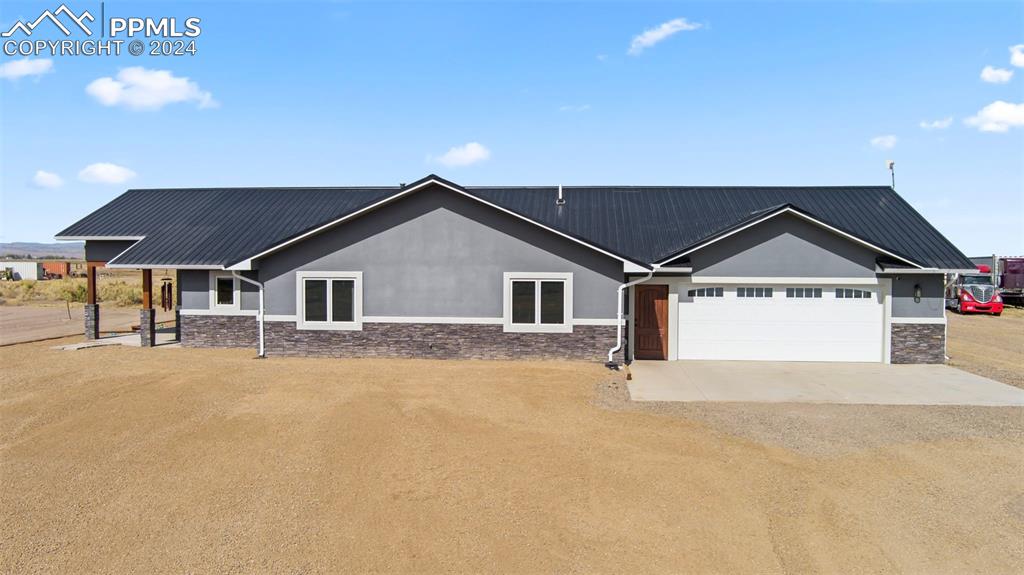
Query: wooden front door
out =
(651, 323)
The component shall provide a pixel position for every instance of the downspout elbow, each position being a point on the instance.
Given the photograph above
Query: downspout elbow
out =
(618, 317)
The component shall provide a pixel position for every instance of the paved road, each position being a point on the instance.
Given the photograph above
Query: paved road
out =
(30, 323)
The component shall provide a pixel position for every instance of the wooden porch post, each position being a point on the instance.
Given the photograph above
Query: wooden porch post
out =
(147, 289)
(90, 285)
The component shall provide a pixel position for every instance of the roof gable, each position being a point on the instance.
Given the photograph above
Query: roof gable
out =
(406, 191)
(765, 216)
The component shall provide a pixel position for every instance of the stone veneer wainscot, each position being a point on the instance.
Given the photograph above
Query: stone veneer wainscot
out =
(918, 343)
(409, 340)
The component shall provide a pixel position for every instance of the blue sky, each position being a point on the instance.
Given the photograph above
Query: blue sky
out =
(302, 94)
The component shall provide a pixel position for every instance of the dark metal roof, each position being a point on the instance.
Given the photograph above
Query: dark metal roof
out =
(654, 223)
(197, 227)
(220, 227)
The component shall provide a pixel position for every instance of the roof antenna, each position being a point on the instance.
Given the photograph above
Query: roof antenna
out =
(892, 171)
(560, 201)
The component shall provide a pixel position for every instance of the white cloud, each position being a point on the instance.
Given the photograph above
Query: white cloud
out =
(141, 89)
(104, 173)
(654, 35)
(44, 179)
(937, 124)
(887, 142)
(1017, 55)
(602, 57)
(470, 153)
(15, 69)
(571, 108)
(999, 116)
(996, 75)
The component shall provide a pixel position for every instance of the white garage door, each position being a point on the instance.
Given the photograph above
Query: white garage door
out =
(781, 323)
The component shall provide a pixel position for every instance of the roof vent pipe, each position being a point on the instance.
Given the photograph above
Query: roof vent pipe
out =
(560, 201)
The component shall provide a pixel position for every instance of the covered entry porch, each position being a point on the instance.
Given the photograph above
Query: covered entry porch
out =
(165, 295)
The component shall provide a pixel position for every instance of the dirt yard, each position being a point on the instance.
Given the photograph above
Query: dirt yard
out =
(32, 322)
(179, 460)
(988, 345)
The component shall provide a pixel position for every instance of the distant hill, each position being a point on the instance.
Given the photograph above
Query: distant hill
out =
(64, 250)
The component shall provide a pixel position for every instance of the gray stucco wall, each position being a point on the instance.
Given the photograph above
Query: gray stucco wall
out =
(250, 294)
(104, 251)
(195, 290)
(932, 302)
(784, 246)
(438, 254)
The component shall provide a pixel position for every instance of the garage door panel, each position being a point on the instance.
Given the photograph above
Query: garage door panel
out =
(781, 328)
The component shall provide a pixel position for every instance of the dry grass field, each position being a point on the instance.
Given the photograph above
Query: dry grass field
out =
(128, 460)
(122, 288)
(989, 346)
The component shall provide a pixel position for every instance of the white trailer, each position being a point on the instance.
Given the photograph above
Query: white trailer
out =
(21, 270)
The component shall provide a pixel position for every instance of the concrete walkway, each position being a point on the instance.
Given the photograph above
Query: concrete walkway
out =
(164, 338)
(785, 382)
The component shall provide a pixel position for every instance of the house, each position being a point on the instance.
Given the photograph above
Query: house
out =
(435, 269)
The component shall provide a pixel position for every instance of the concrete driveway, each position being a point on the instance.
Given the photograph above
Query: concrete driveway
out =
(792, 382)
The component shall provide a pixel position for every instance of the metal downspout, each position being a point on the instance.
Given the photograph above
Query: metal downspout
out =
(259, 313)
(618, 317)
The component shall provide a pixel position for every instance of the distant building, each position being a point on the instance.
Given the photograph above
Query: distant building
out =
(22, 270)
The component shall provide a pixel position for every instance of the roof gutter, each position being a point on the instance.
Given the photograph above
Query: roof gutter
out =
(926, 271)
(259, 314)
(618, 316)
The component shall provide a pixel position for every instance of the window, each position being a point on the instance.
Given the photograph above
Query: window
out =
(847, 293)
(538, 302)
(329, 300)
(707, 292)
(802, 292)
(224, 292)
(762, 292)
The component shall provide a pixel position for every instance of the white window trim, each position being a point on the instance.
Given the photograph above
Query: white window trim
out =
(565, 327)
(236, 289)
(300, 301)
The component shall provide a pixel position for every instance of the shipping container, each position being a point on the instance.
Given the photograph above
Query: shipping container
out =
(57, 269)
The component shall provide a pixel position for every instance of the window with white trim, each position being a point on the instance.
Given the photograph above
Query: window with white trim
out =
(537, 302)
(706, 292)
(803, 292)
(754, 292)
(224, 291)
(329, 300)
(848, 293)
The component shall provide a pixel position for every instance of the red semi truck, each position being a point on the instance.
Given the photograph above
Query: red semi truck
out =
(989, 289)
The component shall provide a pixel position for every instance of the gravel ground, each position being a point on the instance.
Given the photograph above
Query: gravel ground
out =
(21, 323)
(177, 460)
(988, 345)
